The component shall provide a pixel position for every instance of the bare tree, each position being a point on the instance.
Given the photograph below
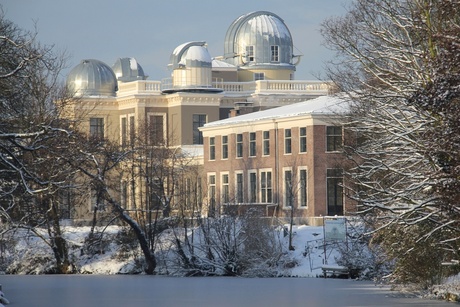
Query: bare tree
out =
(33, 137)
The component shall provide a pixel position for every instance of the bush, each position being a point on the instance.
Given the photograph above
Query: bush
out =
(229, 246)
(363, 259)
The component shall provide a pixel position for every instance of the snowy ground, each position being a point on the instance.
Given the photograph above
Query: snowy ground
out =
(30, 255)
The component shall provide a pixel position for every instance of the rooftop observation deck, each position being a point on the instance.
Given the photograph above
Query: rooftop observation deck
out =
(261, 87)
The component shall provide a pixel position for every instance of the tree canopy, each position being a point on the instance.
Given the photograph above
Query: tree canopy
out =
(399, 62)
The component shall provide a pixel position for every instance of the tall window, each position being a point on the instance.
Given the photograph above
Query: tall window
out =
(96, 127)
(266, 186)
(124, 193)
(225, 192)
(212, 195)
(252, 187)
(259, 76)
(266, 143)
(212, 148)
(250, 53)
(334, 191)
(132, 134)
(287, 141)
(239, 188)
(224, 147)
(156, 130)
(124, 131)
(303, 188)
(334, 138)
(252, 144)
(198, 121)
(288, 189)
(274, 52)
(239, 145)
(303, 139)
(199, 190)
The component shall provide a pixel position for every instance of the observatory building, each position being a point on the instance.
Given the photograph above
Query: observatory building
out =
(256, 72)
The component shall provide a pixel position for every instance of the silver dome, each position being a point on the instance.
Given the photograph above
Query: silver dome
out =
(92, 78)
(261, 30)
(128, 69)
(192, 54)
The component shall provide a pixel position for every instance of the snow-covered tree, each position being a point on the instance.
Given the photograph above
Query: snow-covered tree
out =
(398, 61)
(32, 138)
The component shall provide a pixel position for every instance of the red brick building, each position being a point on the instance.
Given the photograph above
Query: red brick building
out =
(276, 159)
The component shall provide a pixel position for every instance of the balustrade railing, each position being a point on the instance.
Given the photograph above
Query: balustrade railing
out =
(139, 87)
(261, 86)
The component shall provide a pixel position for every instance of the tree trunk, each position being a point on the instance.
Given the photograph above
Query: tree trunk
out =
(148, 254)
(140, 235)
(58, 243)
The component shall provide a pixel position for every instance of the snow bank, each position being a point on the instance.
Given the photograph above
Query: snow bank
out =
(108, 256)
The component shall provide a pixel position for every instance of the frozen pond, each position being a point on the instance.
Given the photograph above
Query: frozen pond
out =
(141, 290)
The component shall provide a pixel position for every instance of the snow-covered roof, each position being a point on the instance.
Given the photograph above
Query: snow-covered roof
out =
(197, 53)
(193, 54)
(336, 104)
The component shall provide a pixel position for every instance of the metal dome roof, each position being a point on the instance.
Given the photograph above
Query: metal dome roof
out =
(92, 78)
(191, 54)
(128, 69)
(261, 30)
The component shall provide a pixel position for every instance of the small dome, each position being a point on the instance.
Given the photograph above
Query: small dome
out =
(191, 66)
(192, 54)
(258, 38)
(92, 78)
(127, 69)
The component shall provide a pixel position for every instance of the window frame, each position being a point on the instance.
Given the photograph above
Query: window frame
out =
(212, 148)
(287, 141)
(124, 194)
(124, 131)
(198, 120)
(259, 76)
(303, 188)
(266, 143)
(334, 140)
(154, 136)
(266, 186)
(303, 147)
(275, 53)
(239, 145)
(212, 193)
(252, 144)
(334, 191)
(253, 191)
(288, 191)
(250, 53)
(224, 141)
(132, 129)
(97, 127)
(225, 187)
(239, 187)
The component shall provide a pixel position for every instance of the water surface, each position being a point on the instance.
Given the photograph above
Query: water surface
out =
(142, 290)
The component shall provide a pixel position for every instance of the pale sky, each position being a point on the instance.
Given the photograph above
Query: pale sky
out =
(149, 30)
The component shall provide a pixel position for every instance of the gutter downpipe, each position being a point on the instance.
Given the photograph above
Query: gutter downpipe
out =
(275, 124)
